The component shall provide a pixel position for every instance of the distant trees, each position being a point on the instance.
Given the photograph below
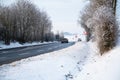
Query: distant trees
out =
(59, 36)
(24, 22)
(98, 20)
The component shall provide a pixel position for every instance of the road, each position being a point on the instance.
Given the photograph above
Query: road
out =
(8, 56)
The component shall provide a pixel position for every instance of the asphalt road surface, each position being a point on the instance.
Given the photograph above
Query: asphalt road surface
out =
(11, 55)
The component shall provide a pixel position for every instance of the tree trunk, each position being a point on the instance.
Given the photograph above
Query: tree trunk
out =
(114, 6)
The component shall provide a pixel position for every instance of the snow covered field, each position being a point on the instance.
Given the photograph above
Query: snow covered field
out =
(78, 62)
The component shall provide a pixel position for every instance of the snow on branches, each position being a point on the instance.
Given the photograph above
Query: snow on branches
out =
(105, 28)
(98, 16)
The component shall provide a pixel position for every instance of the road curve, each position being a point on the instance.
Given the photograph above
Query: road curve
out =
(8, 56)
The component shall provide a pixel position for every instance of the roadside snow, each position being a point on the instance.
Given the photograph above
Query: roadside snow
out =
(16, 44)
(106, 67)
(58, 65)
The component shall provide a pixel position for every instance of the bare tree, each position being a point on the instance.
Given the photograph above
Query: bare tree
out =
(5, 20)
(24, 22)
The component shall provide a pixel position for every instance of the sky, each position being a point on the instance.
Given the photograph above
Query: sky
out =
(63, 13)
(118, 9)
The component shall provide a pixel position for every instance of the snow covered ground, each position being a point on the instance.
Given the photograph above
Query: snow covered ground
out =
(58, 65)
(106, 67)
(16, 44)
(78, 62)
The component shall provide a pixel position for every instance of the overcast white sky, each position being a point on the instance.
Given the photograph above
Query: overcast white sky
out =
(63, 13)
(118, 9)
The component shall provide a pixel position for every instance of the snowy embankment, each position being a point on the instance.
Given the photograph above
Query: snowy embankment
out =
(16, 44)
(106, 67)
(78, 62)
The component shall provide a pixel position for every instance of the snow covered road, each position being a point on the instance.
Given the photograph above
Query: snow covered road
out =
(58, 65)
(78, 62)
(11, 55)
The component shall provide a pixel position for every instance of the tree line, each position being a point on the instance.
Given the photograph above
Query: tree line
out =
(24, 22)
(99, 21)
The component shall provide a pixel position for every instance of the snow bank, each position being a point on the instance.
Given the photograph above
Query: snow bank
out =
(16, 44)
(58, 65)
(106, 67)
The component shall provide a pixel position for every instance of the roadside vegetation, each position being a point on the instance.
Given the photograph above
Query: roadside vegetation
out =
(99, 21)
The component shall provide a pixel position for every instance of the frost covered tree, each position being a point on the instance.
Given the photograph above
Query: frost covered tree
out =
(83, 24)
(24, 22)
(105, 28)
(98, 16)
